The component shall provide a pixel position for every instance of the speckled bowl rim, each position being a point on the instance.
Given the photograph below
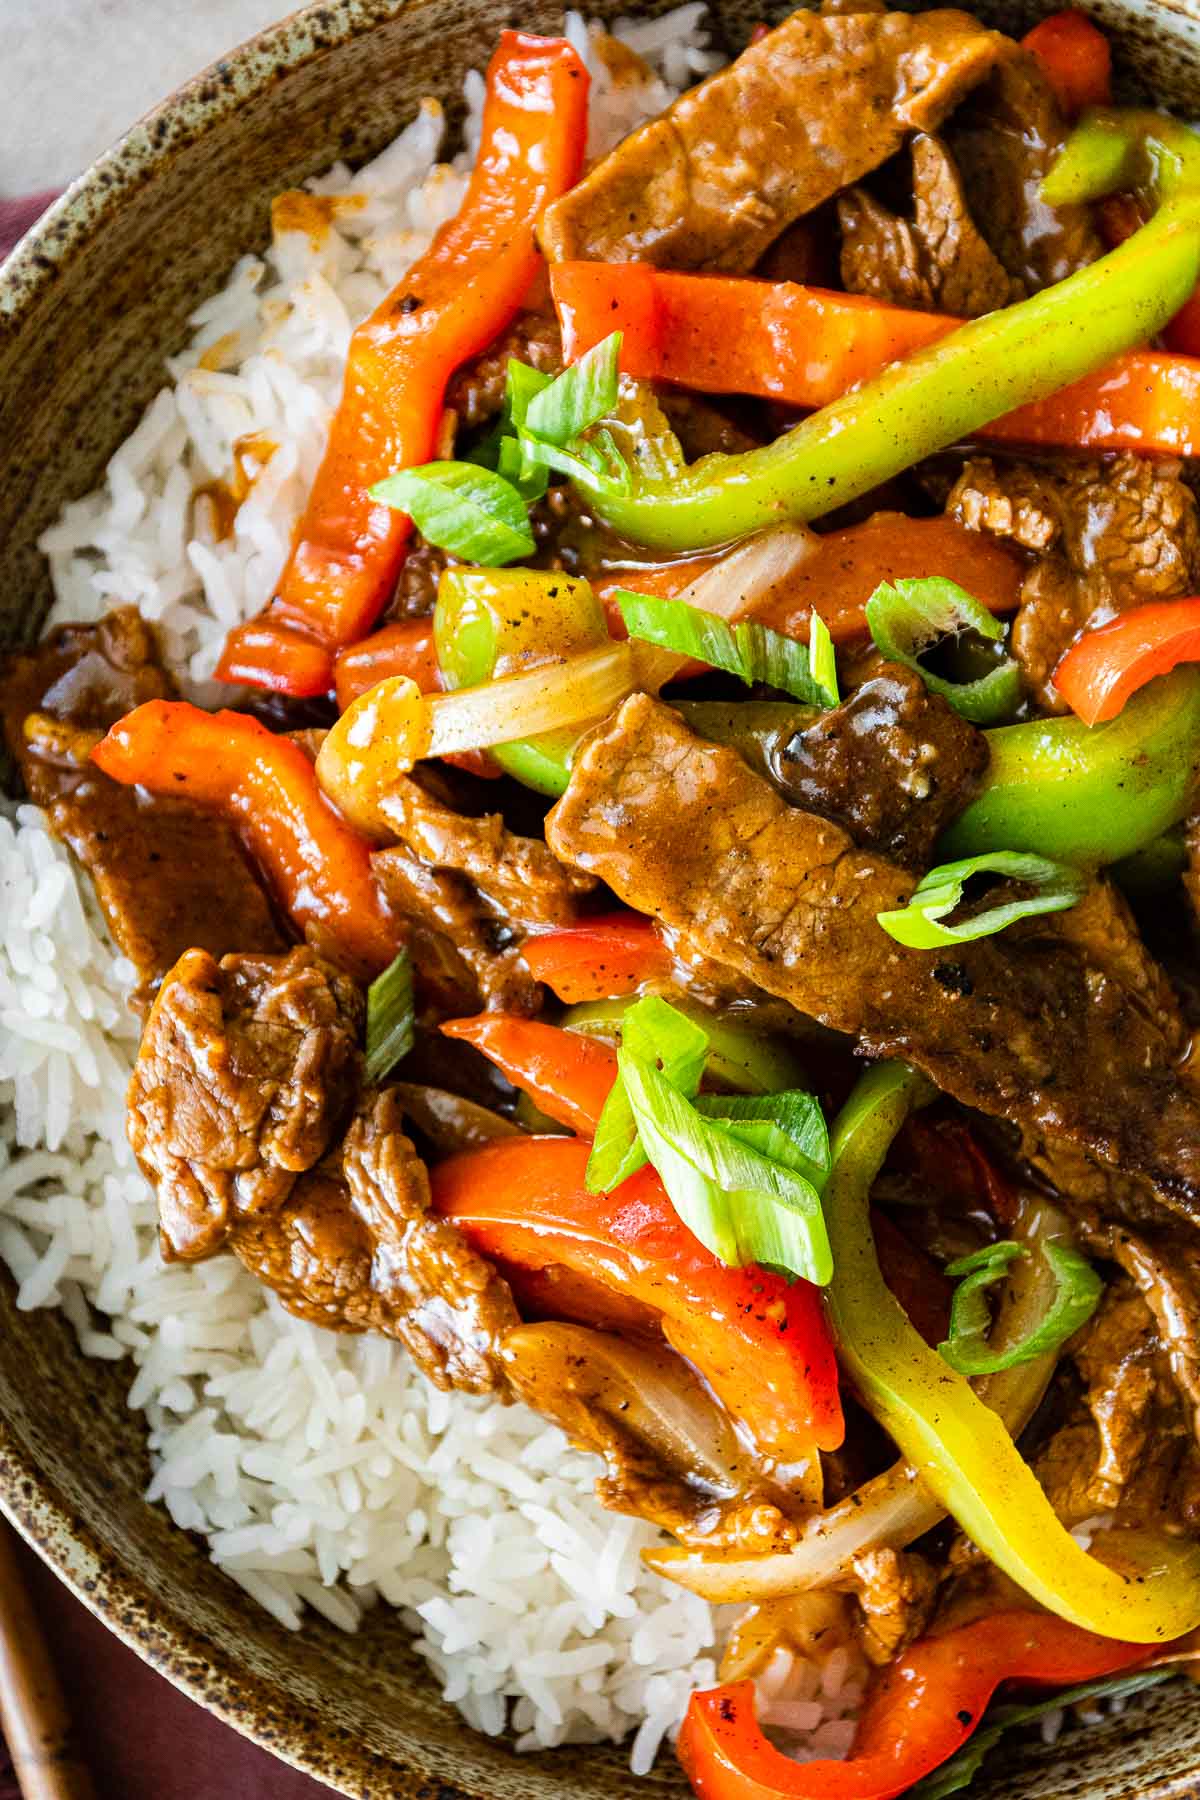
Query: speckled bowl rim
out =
(200, 1666)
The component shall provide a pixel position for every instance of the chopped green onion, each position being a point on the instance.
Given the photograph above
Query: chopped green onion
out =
(464, 508)
(742, 1205)
(592, 460)
(1077, 1291)
(658, 1032)
(906, 617)
(940, 891)
(740, 1058)
(512, 464)
(786, 1128)
(750, 650)
(822, 660)
(522, 385)
(962, 1769)
(389, 1018)
(579, 398)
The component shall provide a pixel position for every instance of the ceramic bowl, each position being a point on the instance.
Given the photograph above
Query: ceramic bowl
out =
(90, 304)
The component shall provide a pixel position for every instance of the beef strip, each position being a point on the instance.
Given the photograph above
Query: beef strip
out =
(246, 1073)
(893, 764)
(167, 875)
(1108, 533)
(472, 889)
(355, 1247)
(810, 108)
(937, 261)
(1126, 1446)
(1028, 1027)
(464, 956)
(895, 1591)
(1003, 141)
(244, 1087)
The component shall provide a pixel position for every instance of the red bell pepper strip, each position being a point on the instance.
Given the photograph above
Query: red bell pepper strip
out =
(403, 648)
(267, 652)
(762, 1343)
(806, 346)
(922, 1711)
(566, 1074)
(617, 954)
(947, 1155)
(843, 572)
(317, 867)
(1104, 667)
(450, 305)
(1075, 60)
(915, 1279)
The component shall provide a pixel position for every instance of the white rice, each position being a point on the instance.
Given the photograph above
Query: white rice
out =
(322, 1470)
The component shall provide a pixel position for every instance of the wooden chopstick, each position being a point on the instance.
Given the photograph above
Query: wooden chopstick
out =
(32, 1710)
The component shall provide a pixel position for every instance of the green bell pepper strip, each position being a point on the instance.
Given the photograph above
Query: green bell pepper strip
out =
(1087, 795)
(961, 1448)
(1120, 148)
(739, 1056)
(919, 405)
(493, 622)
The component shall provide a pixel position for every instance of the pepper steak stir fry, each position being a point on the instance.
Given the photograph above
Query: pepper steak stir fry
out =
(699, 938)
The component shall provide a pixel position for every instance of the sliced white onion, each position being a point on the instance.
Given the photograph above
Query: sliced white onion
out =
(571, 692)
(893, 1509)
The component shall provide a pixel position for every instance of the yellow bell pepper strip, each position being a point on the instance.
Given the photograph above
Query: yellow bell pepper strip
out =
(1087, 795)
(920, 405)
(449, 306)
(966, 1457)
(489, 623)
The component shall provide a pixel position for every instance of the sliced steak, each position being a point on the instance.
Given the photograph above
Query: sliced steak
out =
(355, 1248)
(471, 889)
(1108, 533)
(1027, 1027)
(937, 261)
(810, 108)
(247, 1072)
(893, 764)
(1004, 140)
(168, 876)
(475, 392)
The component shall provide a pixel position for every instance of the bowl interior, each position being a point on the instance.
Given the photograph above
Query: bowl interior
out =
(89, 308)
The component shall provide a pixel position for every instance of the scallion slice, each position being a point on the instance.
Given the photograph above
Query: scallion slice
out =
(742, 1205)
(574, 401)
(1077, 1291)
(653, 1029)
(906, 617)
(464, 508)
(918, 925)
(750, 650)
(822, 659)
(389, 1018)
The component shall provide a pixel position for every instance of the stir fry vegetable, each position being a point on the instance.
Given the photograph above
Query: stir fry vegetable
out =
(1105, 666)
(619, 953)
(489, 623)
(921, 922)
(389, 1018)
(568, 1076)
(963, 1451)
(741, 1057)
(1088, 796)
(749, 650)
(806, 347)
(1077, 1291)
(317, 866)
(449, 305)
(921, 1712)
(760, 1341)
(906, 618)
(1075, 59)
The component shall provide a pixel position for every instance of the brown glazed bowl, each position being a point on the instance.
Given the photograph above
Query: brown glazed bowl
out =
(90, 304)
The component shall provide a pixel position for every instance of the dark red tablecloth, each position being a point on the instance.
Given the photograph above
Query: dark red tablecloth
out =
(141, 1739)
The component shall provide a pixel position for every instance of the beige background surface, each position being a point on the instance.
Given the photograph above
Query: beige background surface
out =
(75, 73)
